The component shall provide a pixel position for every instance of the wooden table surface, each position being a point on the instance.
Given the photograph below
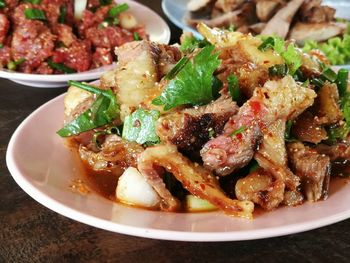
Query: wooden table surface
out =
(29, 232)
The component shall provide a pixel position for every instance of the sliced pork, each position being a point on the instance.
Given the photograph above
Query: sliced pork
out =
(312, 168)
(282, 99)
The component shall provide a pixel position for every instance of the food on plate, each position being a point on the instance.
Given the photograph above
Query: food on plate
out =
(56, 37)
(230, 123)
(308, 22)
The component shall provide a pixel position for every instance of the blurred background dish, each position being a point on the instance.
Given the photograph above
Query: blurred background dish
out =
(155, 27)
(320, 24)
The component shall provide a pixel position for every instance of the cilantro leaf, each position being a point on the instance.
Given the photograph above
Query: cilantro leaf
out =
(190, 43)
(193, 83)
(103, 111)
(140, 126)
(233, 87)
(290, 54)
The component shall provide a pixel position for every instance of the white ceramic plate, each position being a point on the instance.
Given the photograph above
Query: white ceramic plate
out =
(43, 167)
(156, 27)
(176, 12)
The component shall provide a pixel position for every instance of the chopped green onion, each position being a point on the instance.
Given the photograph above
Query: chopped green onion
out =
(211, 133)
(267, 44)
(12, 65)
(1, 45)
(238, 131)
(60, 67)
(116, 10)
(342, 81)
(34, 14)
(35, 2)
(2, 3)
(233, 87)
(105, 2)
(289, 125)
(176, 69)
(280, 70)
(63, 13)
(231, 28)
(318, 82)
(137, 36)
(103, 111)
(253, 166)
(329, 74)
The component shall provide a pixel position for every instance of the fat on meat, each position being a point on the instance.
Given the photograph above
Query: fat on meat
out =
(281, 99)
(193, 177)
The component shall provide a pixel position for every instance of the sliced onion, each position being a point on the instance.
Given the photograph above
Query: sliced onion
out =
(79, 7)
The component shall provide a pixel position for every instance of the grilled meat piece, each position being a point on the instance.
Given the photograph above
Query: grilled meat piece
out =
(190, 128)
(280, 22)
(34, 42)
(115, 154)
(282, 99)
(337, 152)
(260, 188)
(4, 27)
(266, 8)
(228, 5)
(315, 31)
(311, 11)
(193, 177)
(313, 170)
(307, 128)
(238, 18)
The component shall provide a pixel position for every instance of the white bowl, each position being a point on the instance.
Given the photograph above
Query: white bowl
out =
(156, 27)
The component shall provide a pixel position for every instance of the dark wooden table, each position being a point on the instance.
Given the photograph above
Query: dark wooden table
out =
(29, 232)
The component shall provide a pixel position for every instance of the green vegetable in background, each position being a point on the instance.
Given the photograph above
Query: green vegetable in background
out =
(2, 3)
(103, 111)
(193, 83)
(336, 49)
(140, 126)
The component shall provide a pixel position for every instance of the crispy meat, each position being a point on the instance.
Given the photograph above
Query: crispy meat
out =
(190, 128)
(313, 170)
(282, 99)
(311, 11)
(193, 177)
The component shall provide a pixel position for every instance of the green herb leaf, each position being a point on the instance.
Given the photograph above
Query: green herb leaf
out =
(290, 54)
(190, 43)
(116, 10)
(345, 107)
(238, 131)
(193, 83)
(12, 65)
(137, 36)
(60, 67)
(2, 3)
(140, 126)
(279, 70)
(1, 45)
(268, 43)
(35, 2)
(176, 69)
(63, 13)
(337, 133)
(105, 2)
(342, 81)
(233, 87)
(34, 14)
(103, 111)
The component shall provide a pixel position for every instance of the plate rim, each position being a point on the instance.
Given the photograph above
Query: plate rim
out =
(153, 233)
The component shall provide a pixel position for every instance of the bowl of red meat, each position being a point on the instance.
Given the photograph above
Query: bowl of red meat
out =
(46, 43)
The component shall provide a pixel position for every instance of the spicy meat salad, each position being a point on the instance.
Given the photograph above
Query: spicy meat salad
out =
(63, 36)
(231, 122)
